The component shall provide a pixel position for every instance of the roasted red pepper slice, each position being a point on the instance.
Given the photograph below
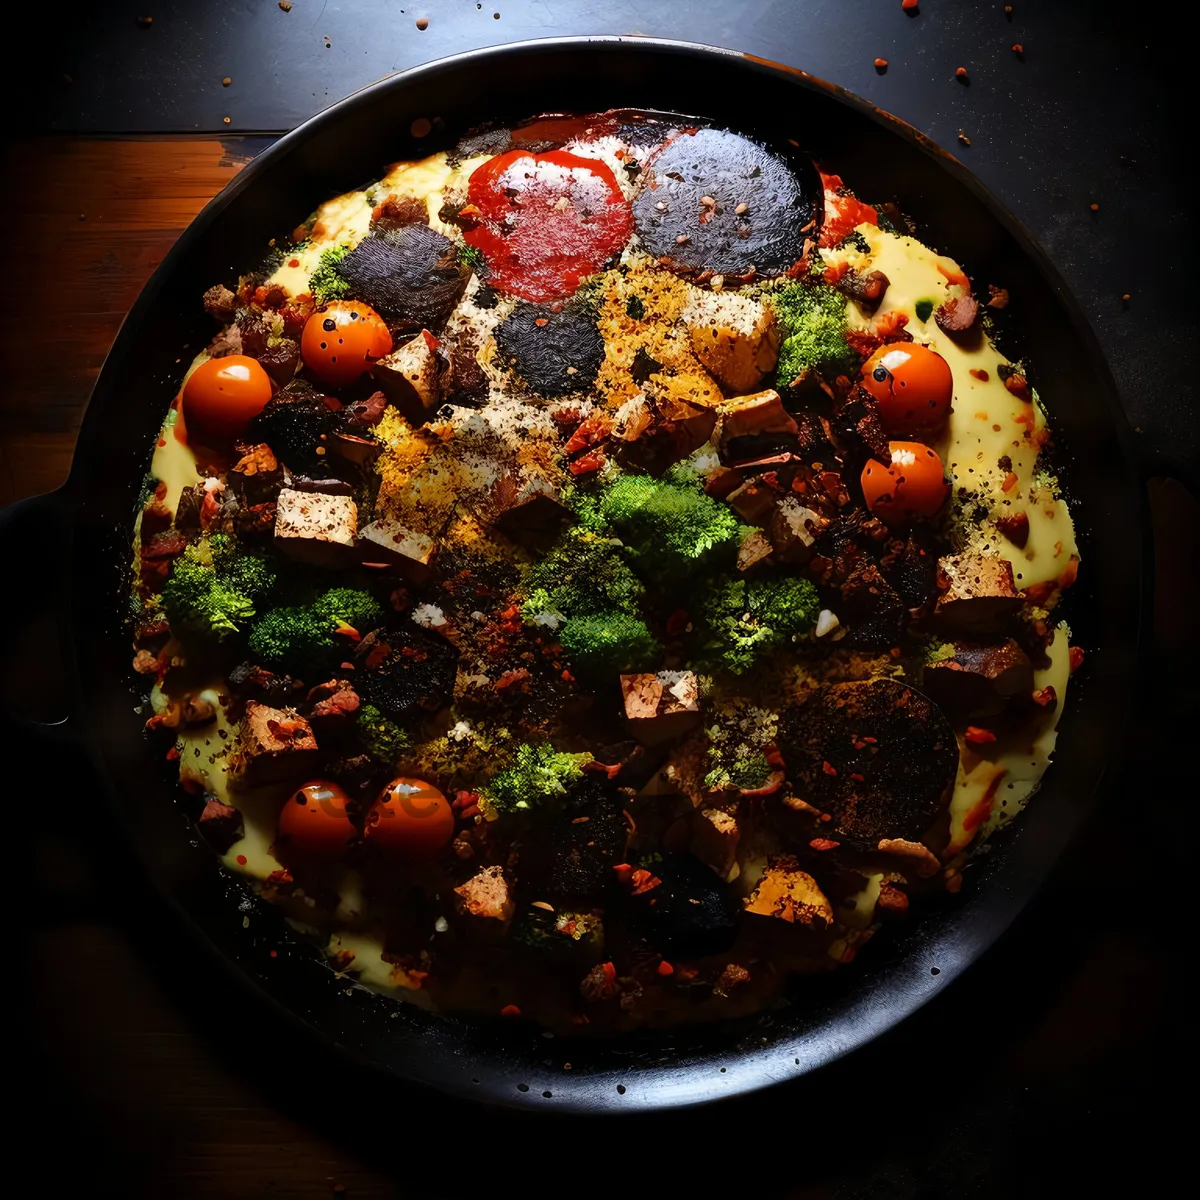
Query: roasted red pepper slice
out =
(843, 213)
(544, 222)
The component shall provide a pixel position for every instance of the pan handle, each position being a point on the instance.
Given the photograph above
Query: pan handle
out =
(35, 543)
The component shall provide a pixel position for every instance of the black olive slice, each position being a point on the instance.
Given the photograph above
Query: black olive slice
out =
(555, 353)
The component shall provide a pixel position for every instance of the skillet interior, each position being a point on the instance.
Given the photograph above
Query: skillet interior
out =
(349, 144)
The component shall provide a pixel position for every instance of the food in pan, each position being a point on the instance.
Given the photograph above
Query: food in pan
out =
(603, 575)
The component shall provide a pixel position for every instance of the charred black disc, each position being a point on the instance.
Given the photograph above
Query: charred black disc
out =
(582, 855)
(887, 732)
(555, 353)
(403, 670)
(687, 211)
(411, 274)
(691, 912)
(294, 423)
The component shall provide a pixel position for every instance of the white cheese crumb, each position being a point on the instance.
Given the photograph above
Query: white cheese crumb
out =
(429, 616)
(827, 622)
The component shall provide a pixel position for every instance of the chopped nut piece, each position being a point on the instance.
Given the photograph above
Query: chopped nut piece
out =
(660, 707)
(316, 528)
(485, 902)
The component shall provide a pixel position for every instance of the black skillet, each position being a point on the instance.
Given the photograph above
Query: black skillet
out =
(343, 148)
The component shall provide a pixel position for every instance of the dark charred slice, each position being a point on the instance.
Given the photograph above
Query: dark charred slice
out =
(412, 274)
(403, 671)
(464, 381)
(481, 141)
(872, 609)
(714, 201)
(913, 571)
(555, 353)
(587, 840)
(396, 211)
(689, 912)
(294, 423)
(980, 679)
(878, 756)
(858, 427)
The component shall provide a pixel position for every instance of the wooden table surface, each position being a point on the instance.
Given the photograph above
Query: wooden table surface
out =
(156, 1105)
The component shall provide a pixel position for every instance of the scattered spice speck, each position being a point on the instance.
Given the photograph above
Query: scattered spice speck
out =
(286, 5)
(881, 65)
(510, 1010)
(226, 120)
(145, 22)
(226, 81)
(422, 23)
(962, 137)
(1125, 297)
(960, 73)
(1094, 207)
(421, 127)
(909, 5)
(1018, 49)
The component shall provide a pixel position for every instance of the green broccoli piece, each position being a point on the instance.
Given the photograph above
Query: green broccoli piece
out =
(539, 775)
(568, 936)
(746, 619)
(382, 737)
(609, 644)
(671, 525)
(305, 634)
(326, 282)
(812, 322)
(584, 573)
(213, 588)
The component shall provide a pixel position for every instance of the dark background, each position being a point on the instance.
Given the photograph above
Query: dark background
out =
(1061, 1061)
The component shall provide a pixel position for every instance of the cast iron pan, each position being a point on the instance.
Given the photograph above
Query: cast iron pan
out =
(343, 148)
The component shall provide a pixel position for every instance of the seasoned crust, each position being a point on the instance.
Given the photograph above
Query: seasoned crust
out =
(877, 755)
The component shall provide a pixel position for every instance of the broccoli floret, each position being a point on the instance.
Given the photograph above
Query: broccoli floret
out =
(610, 643)
(584, 573)
(381, 737)
(539, 775)
(812, 321)
(326, 282)
(672, 526)
(305, 634)
(213, 589)
(569, 936)
(746, 619)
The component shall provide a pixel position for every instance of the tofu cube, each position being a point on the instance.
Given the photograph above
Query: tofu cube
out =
(735, 337)
(660, 707)
(411, 377)
(316, 528)
(387, 542)
(977, 595)
(790, 895)
(794, 530)
(715, 837)
(273, 744)
(520, 505)
(485, 904)
(753, 426)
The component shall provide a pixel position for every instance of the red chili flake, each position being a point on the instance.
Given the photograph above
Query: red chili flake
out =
(1046, 697)
(960, 73)
(624, 872)
(962, 137)
(610, 972)
(1018, 49)
(510, 1010)
(644, 881)
(295, 262)
(870, 740)
(591, 461)
(567, 677)
(1094, 207)
(241, 860)
(1075, 657)
(172, 754)
(881, 65)
(857, 777)
(979, 736)
(824, 844)
(909, 5)
(542, 321)
(665, 968)
(274, 953)
(1019, 386)
(1010, 482)
(828, 769)
(980, 374)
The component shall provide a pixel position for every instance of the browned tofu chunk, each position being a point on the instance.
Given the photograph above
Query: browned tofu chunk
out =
(660, 707)
(485, 904)
(715, 837)
(753, 426)
(979, 680)
(273, 744)
(316, 528)
(388, 542)
(359, 450)
(794, 530)
(755, 549)
(659, 427)
(411, 377)
(735, 337)
(256, 475)
(977, 595)
(753, 501)
(519, 505)
(791, 895)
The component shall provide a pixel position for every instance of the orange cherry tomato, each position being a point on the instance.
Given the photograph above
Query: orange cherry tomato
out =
(342, 340)
(411, 821)
(314, 826)
(912, 485)
(221, 396)
(913, 385)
